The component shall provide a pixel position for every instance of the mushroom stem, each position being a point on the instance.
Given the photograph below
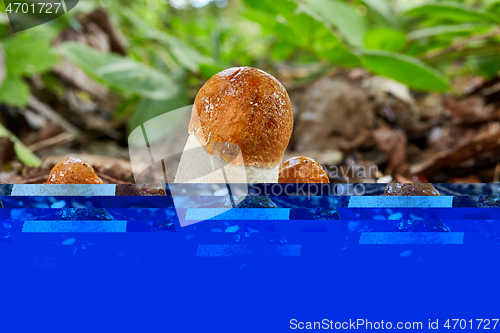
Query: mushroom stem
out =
(198, 166)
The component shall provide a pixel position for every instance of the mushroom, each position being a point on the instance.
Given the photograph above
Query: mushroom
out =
(73, 171)
(416, 189)
(69, 171)
(242, 116)
(67, 179)
(302, 169)
(408, 189)
(140, 190)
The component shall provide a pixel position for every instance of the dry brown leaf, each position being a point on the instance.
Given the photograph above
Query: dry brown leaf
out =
(466, 180)
(485, 139)
(401, 179)
(430, 107)
(470, 110)
(332, 107)
(393, 143)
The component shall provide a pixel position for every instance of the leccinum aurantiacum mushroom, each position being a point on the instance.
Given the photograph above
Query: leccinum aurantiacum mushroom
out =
(243, 116)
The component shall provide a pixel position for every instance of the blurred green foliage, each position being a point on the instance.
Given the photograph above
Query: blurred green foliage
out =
(173, 51)
(25, 55)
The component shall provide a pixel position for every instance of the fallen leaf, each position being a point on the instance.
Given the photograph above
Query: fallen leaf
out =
(466, 180)
(476, 142)
(393, 143)
(470, 110)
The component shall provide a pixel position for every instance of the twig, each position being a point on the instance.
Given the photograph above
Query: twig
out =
(490, 90)
(110, 179)
(49, 113)
(35, 180)
(51, 141)
(460, 45)
(447, 190)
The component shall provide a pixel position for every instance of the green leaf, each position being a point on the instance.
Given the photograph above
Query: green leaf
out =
(281, 7)
(265, 20)
(24, 154)
(329, 47)
(487, 67)
(209, 70)
(148, 109)
(14, 91)
(410, 71)
(3, 131)
(121, 73)
(383, 8)
(185, 55)
(340, 15)
(454, 12)
(127, 107)
(448, 29)
(26, 55)
(302, 27)
(280, 17)
(282, 50)
(385, 39)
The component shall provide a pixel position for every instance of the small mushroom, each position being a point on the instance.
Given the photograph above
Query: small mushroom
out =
(302, 170)
(409, 189)
(140, 190)
(416, 189)
(73, 171)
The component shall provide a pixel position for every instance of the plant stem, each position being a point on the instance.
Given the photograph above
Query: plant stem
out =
(461, 45)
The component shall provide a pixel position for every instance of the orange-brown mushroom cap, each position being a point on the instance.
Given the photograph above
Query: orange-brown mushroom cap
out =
(302, 170)
(73, 171)
(156, 189)
(409, 189)
(246, 107)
